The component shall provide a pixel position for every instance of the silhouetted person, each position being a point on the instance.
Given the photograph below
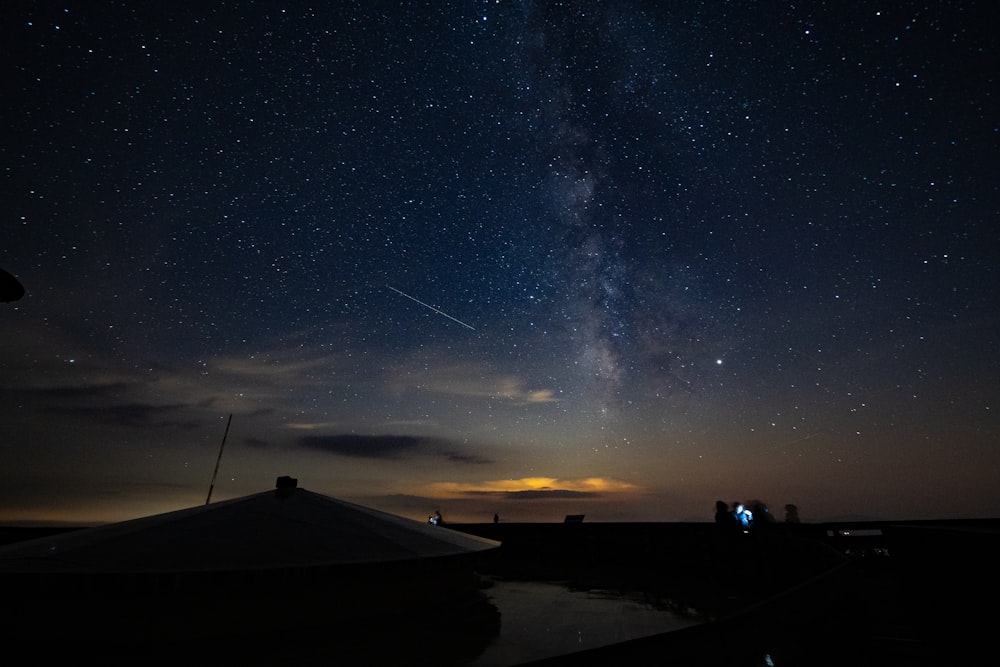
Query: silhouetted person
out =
(723, 516)
(742, 516)
(724, 539)
(496, 518)
(726, 523)
(761, 516)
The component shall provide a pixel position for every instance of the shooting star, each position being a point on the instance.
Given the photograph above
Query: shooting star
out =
(431, 307)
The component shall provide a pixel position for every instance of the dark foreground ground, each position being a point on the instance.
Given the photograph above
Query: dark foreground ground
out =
(889, 593)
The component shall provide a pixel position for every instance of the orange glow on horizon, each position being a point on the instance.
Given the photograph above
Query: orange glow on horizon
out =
(585, 485)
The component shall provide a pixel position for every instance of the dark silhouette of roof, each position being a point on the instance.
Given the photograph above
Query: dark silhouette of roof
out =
(283, 528)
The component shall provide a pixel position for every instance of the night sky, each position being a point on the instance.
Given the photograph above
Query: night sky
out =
(620, 259)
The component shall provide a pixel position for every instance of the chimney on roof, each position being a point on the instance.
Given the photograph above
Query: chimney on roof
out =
(286, 483)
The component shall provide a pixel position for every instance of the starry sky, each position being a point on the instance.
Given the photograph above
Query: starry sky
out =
(620, 259)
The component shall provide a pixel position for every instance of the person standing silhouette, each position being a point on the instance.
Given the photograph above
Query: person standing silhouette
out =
(723, 516)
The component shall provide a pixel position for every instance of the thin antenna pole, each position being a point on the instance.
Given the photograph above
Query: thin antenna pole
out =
(212, 485)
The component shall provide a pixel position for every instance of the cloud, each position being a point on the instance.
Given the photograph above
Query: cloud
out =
(533, 488)
(276, 365)
(459, 457)
(256, 443)
(465, 380)
(83, 391)
(364, 446)
(130, 414)
(309, 426)
(550, 494)
(387, 447)
(540, 396)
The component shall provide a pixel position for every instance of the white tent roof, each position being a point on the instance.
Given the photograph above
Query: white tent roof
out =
(287, 527)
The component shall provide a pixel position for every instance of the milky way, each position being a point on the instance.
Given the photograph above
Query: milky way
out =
(652, 256)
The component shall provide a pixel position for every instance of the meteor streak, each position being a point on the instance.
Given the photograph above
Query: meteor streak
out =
(431, 307)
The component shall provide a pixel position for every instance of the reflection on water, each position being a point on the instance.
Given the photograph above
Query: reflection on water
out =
(544, 619)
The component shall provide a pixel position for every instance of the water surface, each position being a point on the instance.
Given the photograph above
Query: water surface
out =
(545, 619)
